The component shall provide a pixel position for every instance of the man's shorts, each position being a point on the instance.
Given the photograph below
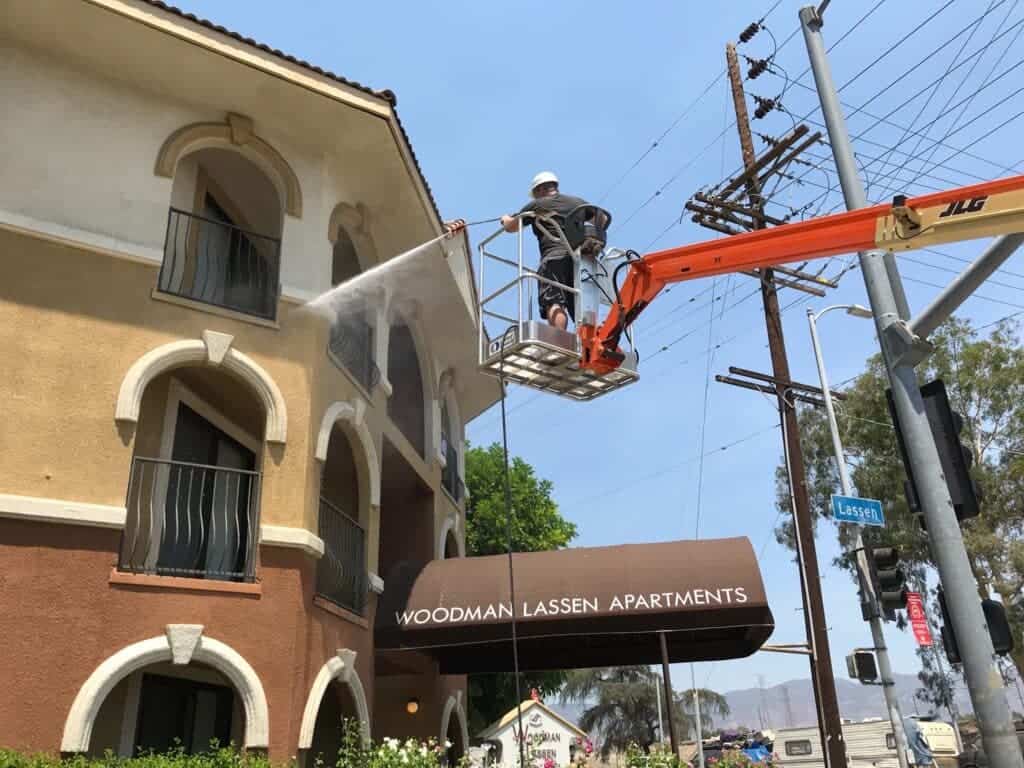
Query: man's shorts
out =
(560, 270)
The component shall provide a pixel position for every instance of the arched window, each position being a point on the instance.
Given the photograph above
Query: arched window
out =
(450, 479)
(344, 261)
(341, 572)
(351, 342)
(223, 239)
(406, 404)
(193, 493)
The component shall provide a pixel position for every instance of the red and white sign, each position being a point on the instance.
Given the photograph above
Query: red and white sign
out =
(918, 621)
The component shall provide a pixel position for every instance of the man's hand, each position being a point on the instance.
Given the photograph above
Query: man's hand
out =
(454, 227)
(510, 223)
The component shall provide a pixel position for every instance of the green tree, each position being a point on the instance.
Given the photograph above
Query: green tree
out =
(623, 706)
(985, 381)
(537, 527)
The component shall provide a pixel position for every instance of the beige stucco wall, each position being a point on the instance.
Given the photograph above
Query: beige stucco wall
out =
(78, 145)
(72, 323)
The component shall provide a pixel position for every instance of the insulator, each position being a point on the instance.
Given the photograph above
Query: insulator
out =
(757, 68)
(764, 106)
(749, 32)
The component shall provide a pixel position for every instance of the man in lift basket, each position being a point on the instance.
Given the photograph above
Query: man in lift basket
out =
(556, 262)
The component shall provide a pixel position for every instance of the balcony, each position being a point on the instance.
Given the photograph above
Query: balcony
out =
(351, 347)
(341, 572)
(213, 261)
(191, 520)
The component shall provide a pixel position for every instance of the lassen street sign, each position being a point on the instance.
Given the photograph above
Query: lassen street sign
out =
(852, 509)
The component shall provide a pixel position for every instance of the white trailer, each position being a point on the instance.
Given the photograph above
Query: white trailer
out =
(869, 744)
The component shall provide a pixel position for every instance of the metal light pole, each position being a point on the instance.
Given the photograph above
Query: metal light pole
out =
(901, 349)
(867, 587)
(696, 714)
(661, 723)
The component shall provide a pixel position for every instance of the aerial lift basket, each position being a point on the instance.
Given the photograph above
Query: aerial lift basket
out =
(519, 346)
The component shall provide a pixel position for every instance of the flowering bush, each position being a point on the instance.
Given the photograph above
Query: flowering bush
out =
(656, 758)
(390, 753)
(731, 758)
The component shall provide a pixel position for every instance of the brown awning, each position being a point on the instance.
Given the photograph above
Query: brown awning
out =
(585, 607)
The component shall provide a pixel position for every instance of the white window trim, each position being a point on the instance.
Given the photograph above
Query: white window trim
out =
(178, 393)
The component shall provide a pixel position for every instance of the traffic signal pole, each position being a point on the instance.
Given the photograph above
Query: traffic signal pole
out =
(867, 586)
(900, 351)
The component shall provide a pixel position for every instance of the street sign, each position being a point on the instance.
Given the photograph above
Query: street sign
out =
(851, 509)
(918, 620)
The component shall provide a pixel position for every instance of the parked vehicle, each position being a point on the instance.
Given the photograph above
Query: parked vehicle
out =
(869, 744)
(974, 755)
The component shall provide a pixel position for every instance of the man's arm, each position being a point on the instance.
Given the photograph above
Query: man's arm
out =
(510, 222)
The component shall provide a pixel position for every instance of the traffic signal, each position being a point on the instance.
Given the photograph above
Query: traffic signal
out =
(955, 457)
(861, 666)
(995, 619)
(888, 580)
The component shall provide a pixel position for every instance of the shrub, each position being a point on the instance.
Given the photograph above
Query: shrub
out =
(391, 753)
(223, 757)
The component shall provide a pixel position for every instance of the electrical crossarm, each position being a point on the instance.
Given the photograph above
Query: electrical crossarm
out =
(981, 210)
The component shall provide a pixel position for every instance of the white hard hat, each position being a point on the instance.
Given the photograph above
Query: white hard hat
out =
(542, 178)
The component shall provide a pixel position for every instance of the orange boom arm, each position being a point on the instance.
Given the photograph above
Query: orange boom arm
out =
(981, 210)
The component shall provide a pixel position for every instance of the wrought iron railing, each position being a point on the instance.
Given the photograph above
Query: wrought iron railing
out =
(450, 474)
(341, 572)
(217, 263)
(192, 520)
(351, 348)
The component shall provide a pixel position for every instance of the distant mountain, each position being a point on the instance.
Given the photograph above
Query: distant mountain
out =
(769, 708)
(791, 704)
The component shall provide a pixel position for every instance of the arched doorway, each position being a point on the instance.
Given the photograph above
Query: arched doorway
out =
(163, 706)
(338, 711)
(454, 733)
(451, 546)
(457, 750)
(180, 686)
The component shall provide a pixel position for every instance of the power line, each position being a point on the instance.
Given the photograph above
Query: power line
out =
(657, 142)
(885, 118)
(704, 415)
(992, 70)
(620, 487)
(974, 295)
(982, 114)
(938, 83)
(686, 111)
(912, 260)
(680, 171)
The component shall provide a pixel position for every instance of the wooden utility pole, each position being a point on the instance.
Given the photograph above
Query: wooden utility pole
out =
(829, 723)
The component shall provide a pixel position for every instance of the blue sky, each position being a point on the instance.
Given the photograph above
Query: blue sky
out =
(492, 94)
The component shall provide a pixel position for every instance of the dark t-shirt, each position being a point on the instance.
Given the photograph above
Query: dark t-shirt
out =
(559, 206)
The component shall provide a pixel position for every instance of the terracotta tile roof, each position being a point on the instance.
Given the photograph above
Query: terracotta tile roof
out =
(385, 94)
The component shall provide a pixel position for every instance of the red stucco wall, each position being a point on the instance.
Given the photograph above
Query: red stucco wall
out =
(61, 618)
